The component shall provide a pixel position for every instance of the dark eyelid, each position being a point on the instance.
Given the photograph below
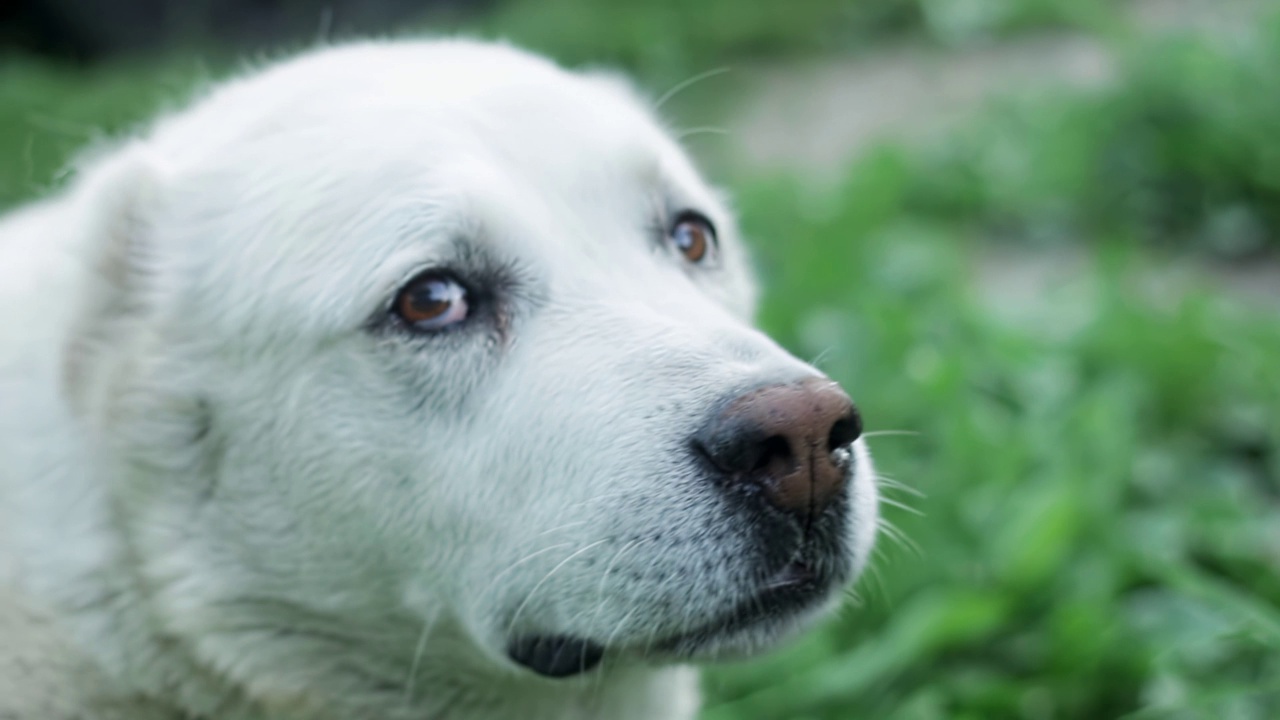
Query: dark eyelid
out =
(492, 286)
(460, 261)
(688, 215)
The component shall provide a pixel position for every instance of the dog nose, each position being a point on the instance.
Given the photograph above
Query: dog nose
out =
(790, 441)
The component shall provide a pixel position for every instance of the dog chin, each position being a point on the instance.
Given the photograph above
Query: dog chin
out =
(741, 644)
(562, 656)
(755, 626)
(788, 603)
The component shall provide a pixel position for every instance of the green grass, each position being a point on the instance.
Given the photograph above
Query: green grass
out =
(1179, 150)
(1100, 532)
(672, 38)
(48, 113)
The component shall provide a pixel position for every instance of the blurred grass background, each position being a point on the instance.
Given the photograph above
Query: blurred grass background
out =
(1057, 311)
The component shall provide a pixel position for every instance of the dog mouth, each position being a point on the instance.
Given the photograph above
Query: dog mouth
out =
(787, 594)
(556, 656)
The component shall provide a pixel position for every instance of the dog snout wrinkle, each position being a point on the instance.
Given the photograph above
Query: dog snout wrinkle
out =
(791, 441)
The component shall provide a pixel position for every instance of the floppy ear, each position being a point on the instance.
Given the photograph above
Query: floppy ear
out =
(120, 196)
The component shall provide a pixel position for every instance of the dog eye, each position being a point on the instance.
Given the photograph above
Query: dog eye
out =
(694, 236)
(432, 301)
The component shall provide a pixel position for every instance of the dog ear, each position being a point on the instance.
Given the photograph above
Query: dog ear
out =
(119, 200)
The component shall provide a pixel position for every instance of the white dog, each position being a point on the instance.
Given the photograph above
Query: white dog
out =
(402, 381)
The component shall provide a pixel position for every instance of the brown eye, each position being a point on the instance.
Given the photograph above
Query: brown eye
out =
(432, 301)
(693, 236)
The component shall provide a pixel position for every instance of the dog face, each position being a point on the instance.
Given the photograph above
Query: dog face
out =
(436, 356)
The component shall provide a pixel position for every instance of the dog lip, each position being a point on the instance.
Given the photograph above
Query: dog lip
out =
(556, 656)
(793, 574)
(797, 587)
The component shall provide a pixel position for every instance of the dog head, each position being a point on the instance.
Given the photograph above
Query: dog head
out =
(408, 358)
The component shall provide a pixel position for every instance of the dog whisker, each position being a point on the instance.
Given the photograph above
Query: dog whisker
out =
(494, 582)
(891, 433)
(901, 506)
(519, 609)
(598, 498)
(418, 651)
(895, 534)
(852, 598)
(875, 577)
(701, 130)
(565, 526)
(878, 582)
(817, 359)
(604, 577)
(887, 483)
(681, 86)
(618, 626)
(324, 32)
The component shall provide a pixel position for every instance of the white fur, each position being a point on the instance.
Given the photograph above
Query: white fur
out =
(226, 493)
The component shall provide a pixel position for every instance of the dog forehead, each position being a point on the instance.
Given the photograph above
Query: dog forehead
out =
(343, 130)
(335, 171)
(432, 100)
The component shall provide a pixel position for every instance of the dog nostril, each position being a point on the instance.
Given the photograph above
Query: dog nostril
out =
(773, 453)
(844, 432)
